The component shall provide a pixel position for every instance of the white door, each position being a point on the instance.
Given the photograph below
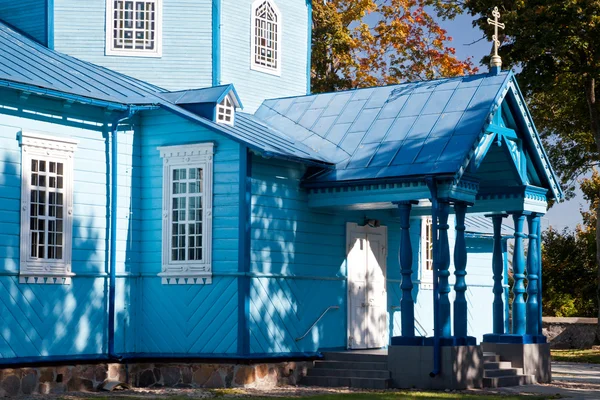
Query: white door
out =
(367, 294)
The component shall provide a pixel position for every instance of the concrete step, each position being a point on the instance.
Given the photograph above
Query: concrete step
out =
(333, 381)
(354, 356)
(497, 365)
(491, 357)
(382, 366)
(349, 373)
(503, 381)
(492, 373)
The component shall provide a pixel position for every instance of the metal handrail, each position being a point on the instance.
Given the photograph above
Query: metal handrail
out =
(424, 333)
(318, 319)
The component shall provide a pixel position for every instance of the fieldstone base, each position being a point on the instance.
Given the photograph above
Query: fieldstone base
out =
(87, 377)
(461, 367)
(533, 358)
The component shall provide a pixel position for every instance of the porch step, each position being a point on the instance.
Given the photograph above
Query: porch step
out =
(491, 357)
(351, 365)
(357, 369)
(502, 381)
(497, 365)
(493, 373)
(498, 373)
(332, 381)
(349, 373)
(355, 356)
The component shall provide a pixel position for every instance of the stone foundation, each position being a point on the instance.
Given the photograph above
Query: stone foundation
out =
(461, 367)
(87, 377)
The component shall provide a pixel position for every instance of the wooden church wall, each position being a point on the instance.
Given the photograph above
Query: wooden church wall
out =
(254, 86)
(28, 15)
(56, 320)
(298, 267)
(186, 60)
(187, 318)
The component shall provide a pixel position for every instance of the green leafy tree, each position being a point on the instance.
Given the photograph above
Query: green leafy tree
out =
(405, 43)
(557, 45)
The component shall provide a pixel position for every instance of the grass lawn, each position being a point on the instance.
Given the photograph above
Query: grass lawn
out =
(389, 395)
(409, 395)
(582, 356)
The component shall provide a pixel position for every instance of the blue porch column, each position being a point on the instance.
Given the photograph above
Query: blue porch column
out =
(540, 280)
(498, 269)
(533, 272)
(443, 263)
(460, 266)
(518, 311)
(407, 305)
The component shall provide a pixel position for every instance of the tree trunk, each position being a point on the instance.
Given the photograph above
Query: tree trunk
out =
(590, 94)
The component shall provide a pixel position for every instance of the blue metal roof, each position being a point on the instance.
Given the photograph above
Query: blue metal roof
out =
(420, 128)
(479, 224)
(27, 65)
(213, 94)
(26, 62)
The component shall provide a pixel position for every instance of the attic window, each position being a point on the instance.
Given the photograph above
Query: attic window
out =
(134, 28)
(266, 37)
(225, 111)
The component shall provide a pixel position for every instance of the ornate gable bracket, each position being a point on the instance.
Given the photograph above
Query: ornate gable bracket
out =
(510, 199)
(464, 190)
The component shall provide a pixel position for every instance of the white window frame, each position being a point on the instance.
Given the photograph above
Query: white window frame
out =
(225, 105)
(426, 274)
(40, 146)
(187, 156)
(110, 50)
(253, 65)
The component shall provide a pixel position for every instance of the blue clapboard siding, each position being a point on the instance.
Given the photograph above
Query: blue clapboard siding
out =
(199, 319)
(253, 86)
(56, 320)
(186, 60)
(298, 267)
(29, 16)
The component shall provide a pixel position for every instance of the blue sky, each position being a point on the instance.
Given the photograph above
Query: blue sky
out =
(562, 215)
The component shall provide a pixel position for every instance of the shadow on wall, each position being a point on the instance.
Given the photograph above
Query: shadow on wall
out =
(298, 258)
(49, 319)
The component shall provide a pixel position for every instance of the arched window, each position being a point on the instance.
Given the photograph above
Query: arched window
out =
(225, 111)
(266, 37)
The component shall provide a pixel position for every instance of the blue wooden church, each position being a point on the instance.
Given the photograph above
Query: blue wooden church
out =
(169, 189)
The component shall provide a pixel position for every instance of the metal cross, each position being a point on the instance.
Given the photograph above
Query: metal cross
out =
(497, 25)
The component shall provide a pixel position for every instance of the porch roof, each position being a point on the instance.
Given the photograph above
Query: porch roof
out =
(412, 129)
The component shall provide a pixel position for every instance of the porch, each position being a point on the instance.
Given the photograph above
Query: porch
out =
(376, 369)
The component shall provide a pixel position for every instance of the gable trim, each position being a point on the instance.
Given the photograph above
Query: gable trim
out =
(541, 157)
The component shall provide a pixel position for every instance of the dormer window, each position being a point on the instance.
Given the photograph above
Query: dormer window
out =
(225, 111)
(266, 37)
(134, 28)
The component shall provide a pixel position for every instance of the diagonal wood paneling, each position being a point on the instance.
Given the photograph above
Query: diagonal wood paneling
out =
(194, 319)
(43, 320)
(282, 310)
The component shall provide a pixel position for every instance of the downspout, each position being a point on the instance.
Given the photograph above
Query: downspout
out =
(431, 183)
(114, 166)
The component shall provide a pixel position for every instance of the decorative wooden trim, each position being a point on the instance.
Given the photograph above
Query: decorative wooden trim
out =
(108, 46)
(198, 155)
(49, 148)
(279, 58)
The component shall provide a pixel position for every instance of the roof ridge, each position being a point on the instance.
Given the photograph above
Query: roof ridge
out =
(386, 86)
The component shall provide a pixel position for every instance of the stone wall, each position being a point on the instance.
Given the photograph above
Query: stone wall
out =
(570, 333)
(88, 377)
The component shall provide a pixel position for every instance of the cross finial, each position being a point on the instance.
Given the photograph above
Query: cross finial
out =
(496, 61)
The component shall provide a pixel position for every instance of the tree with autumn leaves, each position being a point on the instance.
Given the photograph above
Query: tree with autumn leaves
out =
(402, 41)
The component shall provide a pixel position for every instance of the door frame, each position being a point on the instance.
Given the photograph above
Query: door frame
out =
(352, 227)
